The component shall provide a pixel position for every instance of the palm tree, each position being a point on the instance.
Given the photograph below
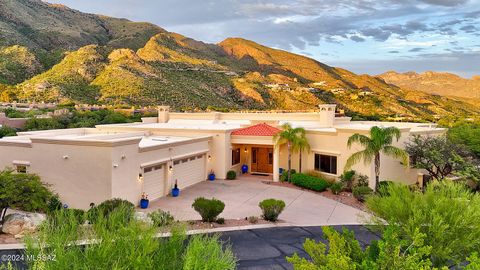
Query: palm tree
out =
(302, 145)
(295, 140)
(380, 141)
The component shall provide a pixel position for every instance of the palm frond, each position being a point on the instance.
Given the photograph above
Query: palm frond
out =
(356, 158)
(359, 138)
(397, 153)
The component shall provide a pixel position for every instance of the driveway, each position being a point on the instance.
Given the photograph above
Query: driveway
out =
(241, 198)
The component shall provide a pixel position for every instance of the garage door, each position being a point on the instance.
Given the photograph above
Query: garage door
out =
(154, 181)
(189, 171)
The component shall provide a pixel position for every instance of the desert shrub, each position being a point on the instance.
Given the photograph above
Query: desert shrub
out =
(231, 175)
(336, 187)
(271, 208)
(284, 176)
(205, 252)
(347, 179)
(23, 191)
(362, 180)
(361, 192)
(345, 252)
(161, 218)
(6, 131)
(382, 188)
(54, 203)
(220, 220)
(208, 209)
(252, 219)
(107, 207)
(447, 213)
(310, 182)
(132, 246)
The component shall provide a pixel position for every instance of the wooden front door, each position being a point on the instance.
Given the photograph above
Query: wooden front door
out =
(262, 159)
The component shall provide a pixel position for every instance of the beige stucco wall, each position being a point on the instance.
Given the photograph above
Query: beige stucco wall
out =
(82, 178)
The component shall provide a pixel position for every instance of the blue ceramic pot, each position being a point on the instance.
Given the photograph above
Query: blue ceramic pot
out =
(211, 177)
(175, 192)
(244, 169)
(144, 203)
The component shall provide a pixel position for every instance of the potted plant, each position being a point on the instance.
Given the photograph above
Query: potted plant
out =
(175, 190)
(244, 168)
(144, 201)
(211, 175)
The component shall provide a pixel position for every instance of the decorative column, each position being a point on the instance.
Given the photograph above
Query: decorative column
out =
(276, 163)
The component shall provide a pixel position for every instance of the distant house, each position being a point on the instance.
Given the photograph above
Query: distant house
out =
(365, 92)
(337, 90)
(322, 83)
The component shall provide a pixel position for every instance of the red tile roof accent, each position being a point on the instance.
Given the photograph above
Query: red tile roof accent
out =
(257, 130)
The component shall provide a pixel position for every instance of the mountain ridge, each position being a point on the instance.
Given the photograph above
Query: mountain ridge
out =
(140, 64)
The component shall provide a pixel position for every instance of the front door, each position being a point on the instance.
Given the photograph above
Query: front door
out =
(262, 159)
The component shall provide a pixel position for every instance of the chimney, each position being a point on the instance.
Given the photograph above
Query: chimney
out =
(327, 114)
(163, 114)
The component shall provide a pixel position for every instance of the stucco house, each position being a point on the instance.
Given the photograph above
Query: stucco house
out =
(88, 165)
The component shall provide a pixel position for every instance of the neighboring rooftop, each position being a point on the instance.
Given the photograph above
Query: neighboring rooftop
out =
(257, 130)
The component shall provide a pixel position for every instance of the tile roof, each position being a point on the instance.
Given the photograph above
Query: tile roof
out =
(257, 130)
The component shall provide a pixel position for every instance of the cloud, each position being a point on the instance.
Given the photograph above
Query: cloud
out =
(416, 49)
(447, 3)
(357, 38)
(393, 51)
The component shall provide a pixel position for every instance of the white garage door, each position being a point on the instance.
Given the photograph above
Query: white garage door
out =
(189, 171)
(154, 181)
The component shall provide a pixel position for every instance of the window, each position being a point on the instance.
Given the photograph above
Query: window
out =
(192, 158)
(147, 169)
(270, 158)
(254, 155)
(158, 167)
(235, 156)
(176, 162)
(327, 164)
(21, 168)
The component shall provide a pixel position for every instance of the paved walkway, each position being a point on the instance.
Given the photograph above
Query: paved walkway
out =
(241, 198)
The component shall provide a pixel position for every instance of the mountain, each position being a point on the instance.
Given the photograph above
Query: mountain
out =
(439, 83)
(114, 61)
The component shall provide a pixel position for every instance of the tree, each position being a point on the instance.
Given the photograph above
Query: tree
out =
(380, 141)
(447, 213)
(22, 191)
(467, 134)
(302, 145)
(441, 158)
(294, 138)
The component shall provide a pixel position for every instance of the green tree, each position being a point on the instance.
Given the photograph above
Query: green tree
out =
(441, 158)
(380, 141)
(447, 213)
(467, 134)
(22, 191)
(294, 138)
(301, 146)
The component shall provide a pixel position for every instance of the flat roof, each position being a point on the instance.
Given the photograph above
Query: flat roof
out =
(92, 136)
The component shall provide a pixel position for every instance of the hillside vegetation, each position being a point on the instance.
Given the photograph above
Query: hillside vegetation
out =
(88, 58)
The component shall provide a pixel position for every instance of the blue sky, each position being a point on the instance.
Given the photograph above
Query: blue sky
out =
(364, 36)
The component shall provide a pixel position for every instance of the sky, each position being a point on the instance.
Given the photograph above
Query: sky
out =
(364, 36)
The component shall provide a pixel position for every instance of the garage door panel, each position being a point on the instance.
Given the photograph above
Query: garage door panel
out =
(189, 171)
(154, 181)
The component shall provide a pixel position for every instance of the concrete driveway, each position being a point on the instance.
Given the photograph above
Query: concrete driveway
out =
(241, 198)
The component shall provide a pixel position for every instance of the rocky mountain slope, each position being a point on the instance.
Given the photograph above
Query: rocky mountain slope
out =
(111, 61)
(439, 83)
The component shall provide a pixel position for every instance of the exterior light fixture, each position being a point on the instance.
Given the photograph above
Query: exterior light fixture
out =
(170, 168)
(245, 150)
(115, 165)
(209, 157)
(140, 177)
(65, 157)
(124, 156)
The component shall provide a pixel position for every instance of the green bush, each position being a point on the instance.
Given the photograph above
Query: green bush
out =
(133, 245)
(23, 191)
(310, 182)
(336, 188)
(220, 220)
(361, 192)
(448, 213)
(6, 131)
(347, 179)
(382, 188)
(231, 175)
(284, 176)
(107, 207)
(161, 218)
(208, 209)
(271, 208)
(362, 180)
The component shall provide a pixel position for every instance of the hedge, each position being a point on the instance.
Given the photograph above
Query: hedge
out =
(310, 182)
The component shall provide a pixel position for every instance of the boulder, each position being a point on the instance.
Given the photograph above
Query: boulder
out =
(143, 217)
(19, 224)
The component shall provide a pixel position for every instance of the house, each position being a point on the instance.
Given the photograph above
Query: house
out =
(86, 165)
